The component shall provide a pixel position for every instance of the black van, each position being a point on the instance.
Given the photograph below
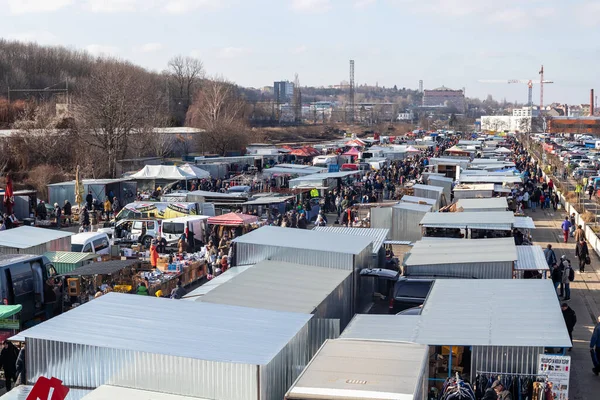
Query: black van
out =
(22, 280)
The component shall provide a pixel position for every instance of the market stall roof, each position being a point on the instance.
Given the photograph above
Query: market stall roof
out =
(25, 237)
(217, 194)
(474, 186)
(279, 286)
(197, 172)
(488, 204)
(102, 268)
(499, 312)
(417, 200)
(434, 177)
(109, 392)
(143, 323)
(456, 149)
(433, 252)
(355, 143)
(9, 311)
(531, 258)
(502, 150)
(524, 223)
(378, 235)
(490, 161)
(301, 153)
(352, 152)
(166, 172)
(490, 179)
(233, 219)
(323, 176)
(92, 182)
(69, 257)
(22, 391)
(292, 171)
(267, 200)
(196, 294)
(305, 239)
(502, 220)
(438, 189)
(412, 149)
(393, 371)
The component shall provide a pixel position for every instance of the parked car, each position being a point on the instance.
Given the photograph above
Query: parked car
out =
(90, 242)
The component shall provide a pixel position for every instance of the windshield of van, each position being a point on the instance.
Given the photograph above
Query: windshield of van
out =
(173, 228)
(76, 248)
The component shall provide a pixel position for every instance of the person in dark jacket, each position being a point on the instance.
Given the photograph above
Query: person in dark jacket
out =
(557, 274)
(41, 210)
(490, 394)
(502, 393)
(595, 348)
(20, 366)
(8, 360)
(570, 319)
(89, 199)
(67, 211)
(582, 253)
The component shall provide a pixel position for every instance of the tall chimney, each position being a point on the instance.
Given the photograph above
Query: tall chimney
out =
(591, 102)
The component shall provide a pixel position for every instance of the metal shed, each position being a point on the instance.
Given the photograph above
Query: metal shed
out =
(66, 261)
(124, 189)
(378, 235)
(466, 312)
(490, 179)
(531, 258)
(22, 391)
(486, 259)
(431, 192)
(478, 205)
(473, 190)
(417, 200)
(385, 371)
(524, 223)
(405, 221)
(149, 343)
(279, 286)
(321, 249)
(196, 294)
(109, 392)
(443, 182)
(30, 240)
(490, 220)
(381, 218)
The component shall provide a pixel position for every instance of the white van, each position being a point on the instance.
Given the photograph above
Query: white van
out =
(90, 242)
(173, 228)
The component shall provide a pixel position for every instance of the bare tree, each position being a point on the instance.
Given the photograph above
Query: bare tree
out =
(185, 74)
(117, 101)
(219, 110)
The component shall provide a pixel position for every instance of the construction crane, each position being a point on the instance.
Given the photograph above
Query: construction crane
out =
(528, 82)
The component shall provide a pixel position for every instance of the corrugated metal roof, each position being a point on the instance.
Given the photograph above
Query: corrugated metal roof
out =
(468, 218)
(305, 239)
(391, 371)
(108, 392)
(267, 200)
(524, 223)
(489, 204)
(164, 326)
(24, 237)
(68, 257)
(429, 187)
(475, 312)
(440, 178)
(531, 258)
(22, 391)
(417, 200)
(475, 186)
(489, 179)
(279, 286)
(92, 182)
(497, 227)
(377, 235)
(433, 252)
(103, 268)
(414, 207)
(196, 294)
(325, 175)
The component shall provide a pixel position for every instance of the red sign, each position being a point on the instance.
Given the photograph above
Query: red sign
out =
(48, 389)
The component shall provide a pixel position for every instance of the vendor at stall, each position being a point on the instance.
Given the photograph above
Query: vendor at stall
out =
(153, 253)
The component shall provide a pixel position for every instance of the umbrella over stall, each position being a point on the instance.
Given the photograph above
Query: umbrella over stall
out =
(233, 219)
(9, 199)
(352, 152)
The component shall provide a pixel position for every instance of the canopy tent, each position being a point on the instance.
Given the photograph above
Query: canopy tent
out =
(9, 311)
(301, 153)
(198, 172)
(165, 172)
(456, 149)
(233, 219)
(352, 152)
(502, 150)
(412, 149)
(355, 143)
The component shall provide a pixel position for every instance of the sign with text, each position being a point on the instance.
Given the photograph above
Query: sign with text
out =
(558, 369)
(333, 168)
(48, 389)
(6, 323)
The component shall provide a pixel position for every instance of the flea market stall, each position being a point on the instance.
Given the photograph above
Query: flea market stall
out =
(473, 190)
(200, 291)
(378, 236)
(480, 225)
(152, 176)
(462, 323)
(123, 189)
(30, 240)
(254, 354)
(24, 202)
(325, 293)
(465, 259)
(405, 221)
(268, 206)
(478, 205)
(443, 182)
(431, 192)
(531, 263)
(328, 180)
(322, 249)
(417, 200)
(66, 261)
(392, 371)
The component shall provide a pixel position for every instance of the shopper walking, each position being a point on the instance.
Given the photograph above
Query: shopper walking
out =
(570, 320)
(566, 226)
(557, 276)
(579, 234)
(595, 348)
(568, 275)
(8, 361)
(572, 221)
(583, 254)
(550, 257)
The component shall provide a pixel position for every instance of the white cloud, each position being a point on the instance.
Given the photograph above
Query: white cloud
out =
(587, 13)
(151, 47)
(170, 6)
(363, 3)
(40, 37)
(196, 53)
(234, 52)
(311, 6)
(36, 6)
(299, 50)
(108, 6)
(182, 6)
(101, 50)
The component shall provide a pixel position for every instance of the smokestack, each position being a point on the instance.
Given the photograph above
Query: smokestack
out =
(591, 102)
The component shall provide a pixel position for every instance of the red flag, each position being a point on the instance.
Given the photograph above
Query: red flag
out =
(8, 195)
(48, 389)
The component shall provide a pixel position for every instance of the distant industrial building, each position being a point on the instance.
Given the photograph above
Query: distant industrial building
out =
(526, 112)
(406, 116)
(588, 125)
(283, 91)
(444, 96)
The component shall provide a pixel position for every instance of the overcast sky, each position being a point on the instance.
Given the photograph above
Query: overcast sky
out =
(393, 42)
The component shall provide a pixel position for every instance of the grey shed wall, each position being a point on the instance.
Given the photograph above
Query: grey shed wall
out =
(445, 183)
(167, 374)
(381, 217)
(61, 244)
(484, 270)
(405, 221)
(505, 359)
(430, 194)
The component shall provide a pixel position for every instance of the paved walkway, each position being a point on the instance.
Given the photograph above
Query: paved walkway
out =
(585, 300)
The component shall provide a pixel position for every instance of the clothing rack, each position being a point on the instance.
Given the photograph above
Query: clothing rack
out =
(509, 374)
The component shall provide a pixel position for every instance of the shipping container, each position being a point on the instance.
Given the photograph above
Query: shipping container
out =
(405, 221)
